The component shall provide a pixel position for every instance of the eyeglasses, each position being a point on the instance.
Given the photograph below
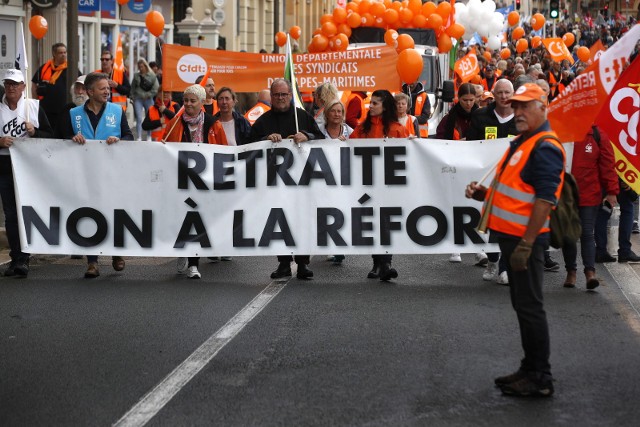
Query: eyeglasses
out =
(11, 83)
(280, 94)
(105, 59)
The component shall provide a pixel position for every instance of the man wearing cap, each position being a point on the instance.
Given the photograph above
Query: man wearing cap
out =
(490, 78)
(19, 118)
(49, 83)
(527, 186)
(97, 119)
(485, 99)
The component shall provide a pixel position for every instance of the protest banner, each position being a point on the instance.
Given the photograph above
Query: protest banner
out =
(363, 69)
(397, 196)
(467, 66)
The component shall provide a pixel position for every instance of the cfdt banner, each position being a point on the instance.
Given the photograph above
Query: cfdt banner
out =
(397, 196)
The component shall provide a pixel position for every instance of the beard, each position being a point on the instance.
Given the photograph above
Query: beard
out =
(80, 99)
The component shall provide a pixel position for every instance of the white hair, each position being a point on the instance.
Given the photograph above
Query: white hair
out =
(196, 90)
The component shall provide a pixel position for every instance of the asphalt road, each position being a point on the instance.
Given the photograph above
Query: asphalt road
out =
(337, 350)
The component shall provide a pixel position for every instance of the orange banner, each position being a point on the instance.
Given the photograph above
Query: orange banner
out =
(596, 50)
(572, 113)
(364, 69)
(558, 50)
(467, 66)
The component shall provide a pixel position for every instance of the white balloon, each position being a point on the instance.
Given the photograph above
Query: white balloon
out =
(489, 6)
(493, 42)
(498, 17)
(468, 33)
(483, 29)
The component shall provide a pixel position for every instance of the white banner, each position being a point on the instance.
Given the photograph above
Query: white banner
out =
(327, 197)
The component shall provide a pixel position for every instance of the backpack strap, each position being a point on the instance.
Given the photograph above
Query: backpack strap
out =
(596, 133)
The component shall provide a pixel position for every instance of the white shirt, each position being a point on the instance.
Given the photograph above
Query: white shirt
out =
(230, 131)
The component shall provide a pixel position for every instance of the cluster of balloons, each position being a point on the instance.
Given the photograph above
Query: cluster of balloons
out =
(335, 28)
(481, 17)
(38, 26)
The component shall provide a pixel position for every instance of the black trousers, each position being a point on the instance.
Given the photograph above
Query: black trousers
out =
(300, 259)
(527, 301)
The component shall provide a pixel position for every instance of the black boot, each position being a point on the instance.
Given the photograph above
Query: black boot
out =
(283, 270)
(386, 272)
(373, 274)
(304, 272)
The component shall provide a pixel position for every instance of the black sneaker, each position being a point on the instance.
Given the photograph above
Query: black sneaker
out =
(21, 268)
(630, 257)
(527, 387)
(635, 229)
(511, 378)
(11, 270)
(283, 270)
(551, 265)
(605, 257)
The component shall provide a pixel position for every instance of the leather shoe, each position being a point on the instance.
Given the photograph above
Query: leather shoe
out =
(605, 257)
(570, 281)
(373, 274)
(630, 257)
(386, 272)
(283, 270)
(304, 272)
(92, 271)
(118, 263)
(592, 282)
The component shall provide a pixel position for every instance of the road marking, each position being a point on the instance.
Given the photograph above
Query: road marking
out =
(161, 394)
(628, 282)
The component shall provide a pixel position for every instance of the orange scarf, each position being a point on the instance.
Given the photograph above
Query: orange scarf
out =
(56, 70)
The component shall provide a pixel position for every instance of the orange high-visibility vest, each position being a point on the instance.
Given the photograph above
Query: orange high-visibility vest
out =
(513, 199)
(364, 105)
(154, 114)
(420, 101)
(256, 111)
(409, 125)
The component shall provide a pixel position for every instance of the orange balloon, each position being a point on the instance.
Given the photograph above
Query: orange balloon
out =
(396, 5)
(123, 2)
(326, 18)
(405, 41)
(364, 6)
(379, 22)
(415, 6)
(505, 53)
(377, 9)
(311, 48)
(513, 18)
(409, 65)
(339, 43)
(320, 42)
(444, 10)
(487, 55)
(354, 19)
(295, 32)
(339, 15)
(38, 26)
(391, 16)
(419, 21)
(435, 21)
(456, 31)
(281, 38)
(428, 8)
(568, 39)
(391, 38)
(522, 45)
(329, 29)
(584, 54)
(316, 31)
(344, 29)
(537, 21)
(368, 20)
(352, 7)
(406, 15)
(517, 33)
(444, 43)
(536, 41)
(155, 23)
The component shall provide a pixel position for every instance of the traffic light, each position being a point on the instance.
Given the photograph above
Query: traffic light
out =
(517, 4)
(606, 10)
(554, 9)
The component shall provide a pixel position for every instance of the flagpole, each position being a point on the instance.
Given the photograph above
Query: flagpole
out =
(294, 84)
(25, 71)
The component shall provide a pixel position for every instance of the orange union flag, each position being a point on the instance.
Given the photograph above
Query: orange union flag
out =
(576, 108)
(596, 50)
(619, 118)
(467, 66)
(357, 70)
(557, 49)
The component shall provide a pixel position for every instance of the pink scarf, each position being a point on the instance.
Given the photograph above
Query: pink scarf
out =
(196, 135)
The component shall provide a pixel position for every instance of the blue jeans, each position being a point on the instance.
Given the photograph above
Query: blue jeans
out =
(625, 200)
(587, 241)
(8, 194)
(140, 107)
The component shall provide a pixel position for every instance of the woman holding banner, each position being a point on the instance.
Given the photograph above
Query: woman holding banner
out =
(381, 122)
(193, 125)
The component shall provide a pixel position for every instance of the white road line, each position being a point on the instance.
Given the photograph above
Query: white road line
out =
(161, 394)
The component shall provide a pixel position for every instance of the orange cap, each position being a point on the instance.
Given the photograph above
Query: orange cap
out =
(486, 95)
(529, 92)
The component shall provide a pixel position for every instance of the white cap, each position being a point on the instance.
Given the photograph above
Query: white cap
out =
(14, 75)
(81, 79)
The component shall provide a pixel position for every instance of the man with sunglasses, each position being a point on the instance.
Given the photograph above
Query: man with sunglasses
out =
(118, 80)
(19, 118)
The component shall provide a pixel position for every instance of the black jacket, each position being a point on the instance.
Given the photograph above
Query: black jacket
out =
(283, 123)
(424, 115)
(485, 125)
(241, 125)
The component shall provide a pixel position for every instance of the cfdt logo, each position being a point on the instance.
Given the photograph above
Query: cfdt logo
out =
(190, 67)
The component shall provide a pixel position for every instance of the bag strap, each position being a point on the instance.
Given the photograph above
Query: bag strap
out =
(596, 134)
